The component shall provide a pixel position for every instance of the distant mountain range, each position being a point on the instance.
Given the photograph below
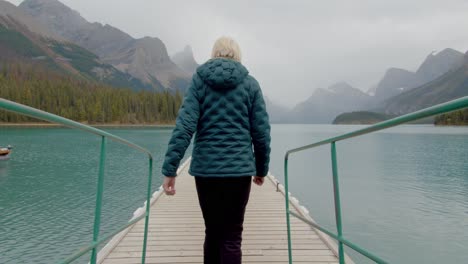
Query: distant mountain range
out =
(60, 36)
(442, 76)
(448, 86)
(49, 34)
(396, 81)
(325, 104)
(322, 107)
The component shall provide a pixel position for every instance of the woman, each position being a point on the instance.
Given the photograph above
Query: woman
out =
(224, 106)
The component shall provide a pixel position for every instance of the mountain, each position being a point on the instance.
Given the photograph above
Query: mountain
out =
(325, 104)
(61, 19)
(24, 40)
(436, 64)
(145, 59)
(11, 14)
(449, 86)
(185, 60)
(396, 81)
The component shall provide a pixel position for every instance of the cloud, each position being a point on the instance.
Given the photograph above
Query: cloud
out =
(293, 47)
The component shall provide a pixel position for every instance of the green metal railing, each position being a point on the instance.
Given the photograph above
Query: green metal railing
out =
(35, 113)
(431, 111)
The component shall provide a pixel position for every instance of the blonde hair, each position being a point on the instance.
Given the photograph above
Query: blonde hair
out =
(226, 47)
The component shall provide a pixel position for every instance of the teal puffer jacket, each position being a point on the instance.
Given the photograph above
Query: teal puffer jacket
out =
(224, 106)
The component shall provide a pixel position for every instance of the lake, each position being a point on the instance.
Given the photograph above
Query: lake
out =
(404, 190)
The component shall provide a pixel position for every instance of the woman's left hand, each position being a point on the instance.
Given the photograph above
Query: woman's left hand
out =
(169, 185)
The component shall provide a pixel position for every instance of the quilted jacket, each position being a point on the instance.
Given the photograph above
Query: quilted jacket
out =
(225, 109)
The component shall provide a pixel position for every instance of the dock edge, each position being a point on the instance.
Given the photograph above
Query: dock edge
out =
(107, 249)
(305, 213)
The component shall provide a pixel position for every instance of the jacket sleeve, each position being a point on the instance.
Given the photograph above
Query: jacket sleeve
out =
(260, 131)
(186, 124)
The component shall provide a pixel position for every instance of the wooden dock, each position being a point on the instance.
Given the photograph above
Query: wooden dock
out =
(176, 230)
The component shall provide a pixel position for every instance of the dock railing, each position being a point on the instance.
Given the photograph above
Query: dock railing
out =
(431, 111)
(97, 240)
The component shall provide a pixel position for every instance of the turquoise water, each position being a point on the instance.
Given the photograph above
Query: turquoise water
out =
(47, 189)
(404, 191)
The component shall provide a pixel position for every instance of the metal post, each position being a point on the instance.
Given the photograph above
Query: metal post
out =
(336, 191)
(100, 189)
(148, 206)
(286, 195)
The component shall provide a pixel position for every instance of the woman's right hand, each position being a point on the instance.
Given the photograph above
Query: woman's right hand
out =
(258, 180)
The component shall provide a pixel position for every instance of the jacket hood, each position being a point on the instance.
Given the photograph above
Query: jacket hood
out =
(222, 73)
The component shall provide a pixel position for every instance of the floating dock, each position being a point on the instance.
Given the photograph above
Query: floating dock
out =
(176, 230)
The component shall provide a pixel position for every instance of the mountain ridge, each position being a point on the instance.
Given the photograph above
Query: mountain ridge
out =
(449, 86)
(144, 58)
(20, 44)
(396, 80)
(325, 104)
(397, 86)
(11, 13)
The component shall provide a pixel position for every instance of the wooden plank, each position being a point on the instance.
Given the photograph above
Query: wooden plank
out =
(199, 259)
(176, 231)
(200, 238)
(197, 232)
(245, 253)
(199, 228)
(279, 247)
(128, 242)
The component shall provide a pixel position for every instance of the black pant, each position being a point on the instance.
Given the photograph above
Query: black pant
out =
(223, 202)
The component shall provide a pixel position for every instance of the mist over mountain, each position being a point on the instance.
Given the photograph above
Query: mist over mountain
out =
(440, 78)
(437, 64)
(277, 113)
(396, 81)
(325, 104)
(444, 77)
(185, 60)
(146, 59)
(451, 85)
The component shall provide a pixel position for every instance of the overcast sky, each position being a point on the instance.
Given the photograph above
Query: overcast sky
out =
(294, 46)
